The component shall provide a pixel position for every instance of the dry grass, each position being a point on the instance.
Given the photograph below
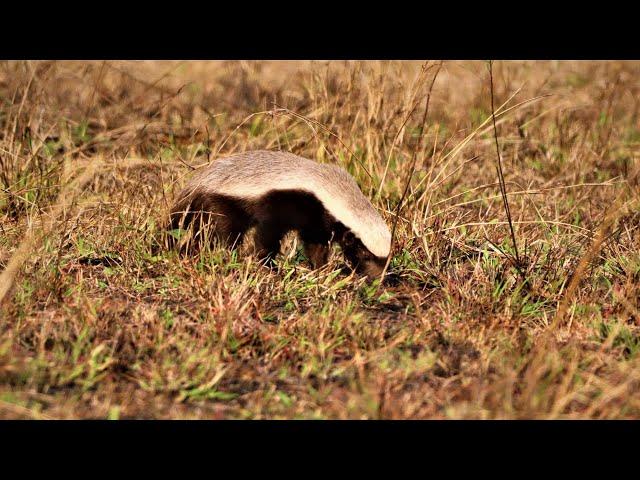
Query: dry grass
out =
(95, 326)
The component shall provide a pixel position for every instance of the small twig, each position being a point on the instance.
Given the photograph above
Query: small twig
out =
(503, 188)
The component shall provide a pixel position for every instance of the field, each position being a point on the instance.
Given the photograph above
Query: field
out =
(95, 323)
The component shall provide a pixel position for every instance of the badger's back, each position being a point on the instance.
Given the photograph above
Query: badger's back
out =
(250, 175)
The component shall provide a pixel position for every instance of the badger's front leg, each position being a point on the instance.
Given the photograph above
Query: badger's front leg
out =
(316, 247)
(317, 253)
(267, 241)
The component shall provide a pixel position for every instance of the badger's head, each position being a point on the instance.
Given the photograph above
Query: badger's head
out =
(360, 258)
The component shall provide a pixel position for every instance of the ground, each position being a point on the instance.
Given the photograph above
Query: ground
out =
(96, 324)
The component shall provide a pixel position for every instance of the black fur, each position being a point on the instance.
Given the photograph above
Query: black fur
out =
(225, 218)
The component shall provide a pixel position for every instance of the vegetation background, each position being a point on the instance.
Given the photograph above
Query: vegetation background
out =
(95, 325)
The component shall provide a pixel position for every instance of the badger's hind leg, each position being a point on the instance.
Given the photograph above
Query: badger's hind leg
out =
(209, 217)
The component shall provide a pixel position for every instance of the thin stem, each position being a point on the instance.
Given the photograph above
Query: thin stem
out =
(503, 187)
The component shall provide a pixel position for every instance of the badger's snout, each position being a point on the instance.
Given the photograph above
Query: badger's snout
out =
(371, 268)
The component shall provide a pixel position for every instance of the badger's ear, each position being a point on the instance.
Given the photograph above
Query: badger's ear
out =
(348, 238)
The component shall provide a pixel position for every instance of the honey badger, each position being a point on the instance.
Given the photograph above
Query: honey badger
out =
(277, 192)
